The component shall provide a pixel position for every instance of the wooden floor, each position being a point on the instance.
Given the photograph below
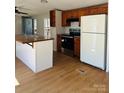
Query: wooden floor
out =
(67, 76)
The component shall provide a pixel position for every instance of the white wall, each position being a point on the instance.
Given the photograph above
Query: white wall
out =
(54, 30)
(40, 22)
(58, 19)
(40, 27)
(58, 28)
(18, 24)
(54, 35)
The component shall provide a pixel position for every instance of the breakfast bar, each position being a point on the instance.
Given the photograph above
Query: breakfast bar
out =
(35, 51)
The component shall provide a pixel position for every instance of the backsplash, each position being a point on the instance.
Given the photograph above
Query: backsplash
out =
(66, 29)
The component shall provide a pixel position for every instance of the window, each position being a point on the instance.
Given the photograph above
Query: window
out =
(47, 27)
(35, 24)
(46, 23)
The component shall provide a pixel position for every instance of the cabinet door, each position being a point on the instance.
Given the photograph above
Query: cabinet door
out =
(59, 43)
(100, 9)
(80, 13)
(103, 10)
(64, 17)
(52, 18)
(77, 46)
(77, 13)
(86, 11)
(73, 14)
(93, 11)
(68, 14)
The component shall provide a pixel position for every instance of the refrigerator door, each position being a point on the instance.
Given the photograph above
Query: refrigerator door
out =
(93, 49)
(93, 24)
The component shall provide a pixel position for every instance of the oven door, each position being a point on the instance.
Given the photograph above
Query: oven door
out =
(67, 42)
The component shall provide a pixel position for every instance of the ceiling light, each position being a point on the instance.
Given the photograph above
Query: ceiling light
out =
(44, 1)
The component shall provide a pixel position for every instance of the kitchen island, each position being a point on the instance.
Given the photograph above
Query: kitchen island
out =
(35, 51)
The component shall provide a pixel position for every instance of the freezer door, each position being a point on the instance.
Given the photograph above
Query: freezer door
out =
(93, 49)
(93, 23)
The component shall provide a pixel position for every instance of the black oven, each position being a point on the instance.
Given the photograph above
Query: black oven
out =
(67, 42)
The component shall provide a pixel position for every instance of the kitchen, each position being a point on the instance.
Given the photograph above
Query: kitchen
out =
(65, 28)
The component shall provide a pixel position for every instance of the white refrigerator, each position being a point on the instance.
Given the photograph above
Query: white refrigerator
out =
(94, 40)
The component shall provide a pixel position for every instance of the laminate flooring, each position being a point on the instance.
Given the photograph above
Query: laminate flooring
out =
(68, 75)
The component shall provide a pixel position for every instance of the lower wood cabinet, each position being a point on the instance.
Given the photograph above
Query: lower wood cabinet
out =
(58, 42)
(77, 46)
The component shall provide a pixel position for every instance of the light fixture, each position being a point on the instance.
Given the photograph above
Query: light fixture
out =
(44, 1)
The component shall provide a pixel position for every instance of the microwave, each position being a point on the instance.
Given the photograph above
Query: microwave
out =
(74, 24)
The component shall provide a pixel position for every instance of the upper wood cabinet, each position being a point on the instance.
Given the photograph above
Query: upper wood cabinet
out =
(73, 13)
(100, 9)
(52, 18)
(64, 17)
(77, 13)
(80, 12)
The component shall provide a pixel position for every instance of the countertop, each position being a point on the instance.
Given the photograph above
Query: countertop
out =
(31, 38)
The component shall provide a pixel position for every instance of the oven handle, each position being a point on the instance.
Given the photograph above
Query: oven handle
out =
(68, 36)
(62, 40)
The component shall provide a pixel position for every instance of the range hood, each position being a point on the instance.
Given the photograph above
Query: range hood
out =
(72, 20)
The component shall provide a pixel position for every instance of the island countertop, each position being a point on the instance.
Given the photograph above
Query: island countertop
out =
(31, 38)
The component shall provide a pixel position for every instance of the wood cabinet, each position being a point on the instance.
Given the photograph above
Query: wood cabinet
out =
(77, 13)
(52, 18)
(80, 12)
(77, 46)
(64, 18)
(73, 13)
(100, 9)
(59, 42)
(68, 14)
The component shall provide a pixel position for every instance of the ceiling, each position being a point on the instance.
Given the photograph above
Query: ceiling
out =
(35, 7)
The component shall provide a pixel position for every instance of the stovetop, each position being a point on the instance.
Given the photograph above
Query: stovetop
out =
(71, 34)
(66, 35)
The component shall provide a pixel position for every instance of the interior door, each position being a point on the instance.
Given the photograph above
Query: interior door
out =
(93, 49)
(27, 25)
